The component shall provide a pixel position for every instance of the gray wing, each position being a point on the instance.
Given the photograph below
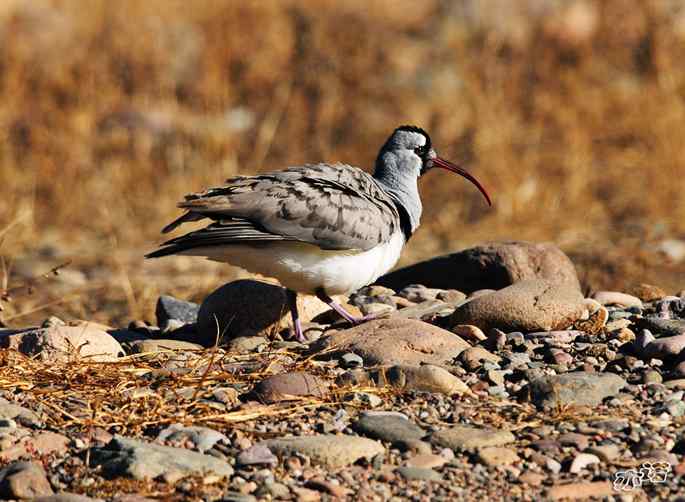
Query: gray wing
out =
(330, 206)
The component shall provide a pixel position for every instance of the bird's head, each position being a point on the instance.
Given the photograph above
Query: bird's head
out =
(408, 153)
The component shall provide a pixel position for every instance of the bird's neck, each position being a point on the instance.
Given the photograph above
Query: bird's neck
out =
(402, 186)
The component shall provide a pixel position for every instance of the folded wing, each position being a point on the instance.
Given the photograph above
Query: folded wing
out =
(330, 206)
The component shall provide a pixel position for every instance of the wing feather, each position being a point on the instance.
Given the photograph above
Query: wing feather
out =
(331, 206)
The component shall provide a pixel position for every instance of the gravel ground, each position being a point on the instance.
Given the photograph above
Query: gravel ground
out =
(523, 391)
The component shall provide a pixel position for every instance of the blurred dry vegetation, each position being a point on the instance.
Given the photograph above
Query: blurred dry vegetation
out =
(571, 112)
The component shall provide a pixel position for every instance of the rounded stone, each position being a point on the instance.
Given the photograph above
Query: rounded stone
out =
(532, 305)
(395, 341)
(468, 332)
(389, 428)
(493, 265)
(669, 346)
(425, 378)
(290, 385)
(617, 298)
(647, 292)
(248, 307)
(473, 357)
(65, 343)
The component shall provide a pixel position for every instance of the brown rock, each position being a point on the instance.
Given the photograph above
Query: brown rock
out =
(424, 378)
(396, 341)
(73, 497)
(497, 455)
(471, 333)
(576, 388)
(647, 292)
(132, 497)
(289, 385)
(427, 461)
(532, 478)
(580, 441)
(43, 443)
(24, 480)
(473, 357)
(494, 265)
(595, 324)
(464, 437)
(322, 485)
(617, 298)
(328, 450)
(669, 346)
(248, 307)
(531, 305)
(575, 491)
(306, 495)
(65, 343)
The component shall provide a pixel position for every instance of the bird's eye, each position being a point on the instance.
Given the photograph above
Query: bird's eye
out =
(420, 150)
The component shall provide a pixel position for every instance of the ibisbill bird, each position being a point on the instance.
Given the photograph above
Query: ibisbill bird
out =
(321, 229)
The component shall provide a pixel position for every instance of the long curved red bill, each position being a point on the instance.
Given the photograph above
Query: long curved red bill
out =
(437, 161)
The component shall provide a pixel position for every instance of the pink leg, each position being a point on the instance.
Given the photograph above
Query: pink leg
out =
(321, 295)
(297, 325)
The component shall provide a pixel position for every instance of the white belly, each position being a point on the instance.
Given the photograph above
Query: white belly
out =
(305, 268)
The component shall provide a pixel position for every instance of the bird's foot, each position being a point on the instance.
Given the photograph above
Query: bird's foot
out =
(354, 321)
(297, 325)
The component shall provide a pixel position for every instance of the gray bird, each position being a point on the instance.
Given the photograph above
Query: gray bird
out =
(322, 229)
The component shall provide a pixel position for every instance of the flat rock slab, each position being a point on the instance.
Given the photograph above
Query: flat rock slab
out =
(66, 497)
(142, 460)
(579, 388)
(396, 341)
(424, 378)
(203, 438)
(466, 437)
(391, 428)
(493, 265)
(582, 491)
(327, 450)
(531, 305)
(418, 473)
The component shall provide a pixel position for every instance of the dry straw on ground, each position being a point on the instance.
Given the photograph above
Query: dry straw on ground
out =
(137, 393)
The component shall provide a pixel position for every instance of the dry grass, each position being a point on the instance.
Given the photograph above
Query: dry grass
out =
(112, 110)
(137, 393)
(140, 393)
